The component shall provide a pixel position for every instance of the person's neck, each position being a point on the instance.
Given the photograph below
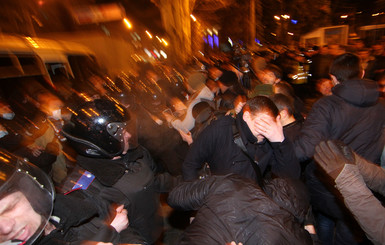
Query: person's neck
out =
(288, 120)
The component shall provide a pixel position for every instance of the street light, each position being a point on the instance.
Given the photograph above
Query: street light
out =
(128, 23)
(193, 17)
(149, 34)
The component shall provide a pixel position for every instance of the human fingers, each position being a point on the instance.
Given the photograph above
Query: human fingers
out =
(119, 208)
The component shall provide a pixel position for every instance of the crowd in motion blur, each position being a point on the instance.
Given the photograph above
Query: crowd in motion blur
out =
(278, 146)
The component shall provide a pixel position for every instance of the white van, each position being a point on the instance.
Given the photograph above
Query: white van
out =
(22, 56)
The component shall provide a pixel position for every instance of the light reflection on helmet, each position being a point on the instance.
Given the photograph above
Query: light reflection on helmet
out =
(96, 129)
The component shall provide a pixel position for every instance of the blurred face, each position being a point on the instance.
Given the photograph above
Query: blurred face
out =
(325, 87)
(252, 118)
(18, 220)
(126, 138)
(269, 77)
(51, 106)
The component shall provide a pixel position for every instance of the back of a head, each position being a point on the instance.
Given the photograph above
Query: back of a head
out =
(283, 102)
(261, 104)
(284, 88)
(346, 67)
(202, 111)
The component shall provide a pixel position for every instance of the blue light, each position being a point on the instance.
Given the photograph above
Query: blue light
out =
(205, 39)
(216, 40)
(294, 22)
(210, 39)
(257, 41)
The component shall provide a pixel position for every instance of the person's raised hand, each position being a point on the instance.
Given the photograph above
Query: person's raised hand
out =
(270, 127)
(332, 157)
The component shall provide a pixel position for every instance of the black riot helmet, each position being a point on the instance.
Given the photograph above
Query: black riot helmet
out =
(96, 129)
(23, 186)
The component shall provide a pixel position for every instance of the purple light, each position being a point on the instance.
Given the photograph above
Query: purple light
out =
(216, 40)
(210, 38)
(294, 22)
(205, 39)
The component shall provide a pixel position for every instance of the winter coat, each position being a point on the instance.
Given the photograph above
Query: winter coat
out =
(78, 217)
(354, 114)
(131, 181)
(215, 145)
(231, 208)
(353, 183)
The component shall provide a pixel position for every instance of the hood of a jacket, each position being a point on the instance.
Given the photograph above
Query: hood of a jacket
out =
(359, 92)
(289, 194)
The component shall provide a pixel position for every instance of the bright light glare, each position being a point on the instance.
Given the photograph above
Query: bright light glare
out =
(148, 53)
(290, 33)
(273, 34)
(193, 17)
(158, 39)
(285, 16)
(165, 42)
(230, 41)
(163, 54)
(344, 16)
(128, 24)
(276, 17)
(149, 34)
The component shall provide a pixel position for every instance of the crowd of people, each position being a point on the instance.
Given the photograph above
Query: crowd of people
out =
(270, 147)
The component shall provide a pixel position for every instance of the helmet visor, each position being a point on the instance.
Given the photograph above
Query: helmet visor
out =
(26, 200)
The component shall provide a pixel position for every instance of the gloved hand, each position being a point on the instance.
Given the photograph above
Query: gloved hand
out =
(332, 157)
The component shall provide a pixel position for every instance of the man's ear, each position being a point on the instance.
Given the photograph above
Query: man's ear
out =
(282, 114)
(334, 80)
(246, 116)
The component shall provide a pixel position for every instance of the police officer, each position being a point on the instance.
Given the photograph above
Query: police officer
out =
(118, 169)
(31, 212)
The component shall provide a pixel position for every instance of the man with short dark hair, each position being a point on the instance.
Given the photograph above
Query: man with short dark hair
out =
(353, 114)
(247, 145)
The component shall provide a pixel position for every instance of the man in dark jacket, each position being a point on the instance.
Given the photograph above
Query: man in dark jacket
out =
(260, 142)
(353, 114)
(118, 169)
(231, 208)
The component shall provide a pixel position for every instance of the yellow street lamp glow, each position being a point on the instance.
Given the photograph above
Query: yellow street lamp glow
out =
(193, 17)
(158, 39)
(128, 24)
(290, 33)
(344, 16)
(276, 17)
(149, 34)
(285, 16)
(165, 42)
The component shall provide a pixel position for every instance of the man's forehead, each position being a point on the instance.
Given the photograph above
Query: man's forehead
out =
(262, 114)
